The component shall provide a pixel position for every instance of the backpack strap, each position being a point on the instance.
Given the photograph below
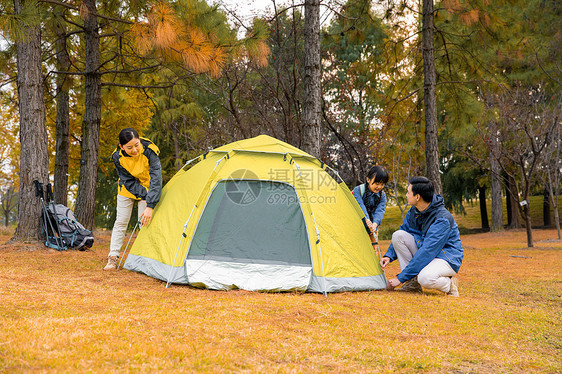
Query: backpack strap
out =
(362, 189)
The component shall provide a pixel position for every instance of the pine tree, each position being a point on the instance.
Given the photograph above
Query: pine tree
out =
(311, 120)
(33, 133)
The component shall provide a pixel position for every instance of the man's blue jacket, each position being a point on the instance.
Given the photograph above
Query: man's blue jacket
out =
(437, 236)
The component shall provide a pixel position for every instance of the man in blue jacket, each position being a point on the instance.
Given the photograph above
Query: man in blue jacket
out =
(427, 245)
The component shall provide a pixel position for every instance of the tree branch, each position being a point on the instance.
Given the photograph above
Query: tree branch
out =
(135, 86)
(130, 70)
(77, 8)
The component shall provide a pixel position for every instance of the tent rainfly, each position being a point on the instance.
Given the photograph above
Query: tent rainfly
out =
(259, 215)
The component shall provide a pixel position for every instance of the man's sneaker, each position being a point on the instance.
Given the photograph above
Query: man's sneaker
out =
(454, 289)
(112, 262)
(411, 286)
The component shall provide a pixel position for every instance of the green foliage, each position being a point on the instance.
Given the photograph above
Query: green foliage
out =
(490, 46)
(507, 41)
(14, 24)
(385, 233)
(460, 183)
(254, 42)
(178, 124)
(372, 83)
(121, 108)
(355, 90)
(207, 17)
(106, 200)
(186, 111)
(353, 47)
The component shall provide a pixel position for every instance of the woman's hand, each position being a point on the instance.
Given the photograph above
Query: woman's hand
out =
(385, 261)
(146, 217)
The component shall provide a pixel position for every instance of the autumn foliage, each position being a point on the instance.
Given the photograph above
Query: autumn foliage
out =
(176, 39)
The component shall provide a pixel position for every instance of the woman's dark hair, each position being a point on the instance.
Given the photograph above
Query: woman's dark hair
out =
(423, 187)
(379, 173)
(128, 134)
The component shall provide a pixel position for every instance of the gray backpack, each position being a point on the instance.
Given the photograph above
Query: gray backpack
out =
(64, 231)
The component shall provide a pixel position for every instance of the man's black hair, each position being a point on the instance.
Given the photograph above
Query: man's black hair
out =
(128, 134)
(379, 173)
(423, 187)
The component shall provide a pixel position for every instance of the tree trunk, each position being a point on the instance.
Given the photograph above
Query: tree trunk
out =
(557, 221)
(497, 212)
(556, 214)
(553, 177)
(508, 205)
(34, 159)
(430, 97)
(483, 208)
(311, 130)
(526, 213)
(63, 120)
(511, 200)
(8, 204)
(86, 199)
(553, 194)
(547, 220)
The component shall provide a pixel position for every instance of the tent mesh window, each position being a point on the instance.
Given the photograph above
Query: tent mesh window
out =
(252, 221)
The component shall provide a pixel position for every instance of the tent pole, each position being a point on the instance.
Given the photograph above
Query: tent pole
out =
(179, 245)
(379, 253)
(320, 250)
(190, 161)
(127, 246)
(335, 172)
(186, 223)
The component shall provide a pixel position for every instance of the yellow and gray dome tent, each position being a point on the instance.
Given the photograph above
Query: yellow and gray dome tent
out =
(261, 215)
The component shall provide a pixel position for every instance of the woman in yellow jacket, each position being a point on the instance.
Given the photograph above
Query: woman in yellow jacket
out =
(140, 179)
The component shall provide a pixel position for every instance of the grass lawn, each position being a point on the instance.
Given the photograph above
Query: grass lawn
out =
(60, 312)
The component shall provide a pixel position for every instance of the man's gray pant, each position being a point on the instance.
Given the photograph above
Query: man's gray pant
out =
(437, 274)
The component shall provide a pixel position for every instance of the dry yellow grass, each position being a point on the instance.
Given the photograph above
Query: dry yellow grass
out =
(59, 312)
